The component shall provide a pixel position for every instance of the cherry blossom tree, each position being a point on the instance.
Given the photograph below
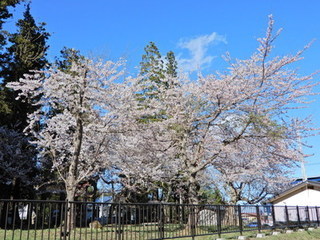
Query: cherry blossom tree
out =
(206, 121)
(254, 172)
(225, 121)
(88, 110)
(143, 160)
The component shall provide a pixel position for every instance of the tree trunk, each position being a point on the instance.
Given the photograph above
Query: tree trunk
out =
(72, 178)
(15, 189)
(70, 211)
(193, 189)
(193, 200)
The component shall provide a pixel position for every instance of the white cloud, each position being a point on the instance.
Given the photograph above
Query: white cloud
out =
(198, 48)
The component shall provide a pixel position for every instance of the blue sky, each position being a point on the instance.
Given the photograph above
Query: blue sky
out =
(199, 32)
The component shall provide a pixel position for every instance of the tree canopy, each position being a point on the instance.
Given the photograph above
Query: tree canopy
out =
(164, 134)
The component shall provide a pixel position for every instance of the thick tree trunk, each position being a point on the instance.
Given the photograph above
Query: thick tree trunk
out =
(233, 193)
(72, 177)
(70, 211)
(230, 216)
(167, 199)
(193, 200)
(193, 189)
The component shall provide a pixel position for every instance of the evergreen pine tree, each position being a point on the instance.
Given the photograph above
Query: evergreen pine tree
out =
(4, 15)
(171, 65)
(152, 64)
(27, 52)
(153, 69)
(67, 57)
(156, 73)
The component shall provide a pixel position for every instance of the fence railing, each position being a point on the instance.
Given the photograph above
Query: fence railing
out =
(26, 219)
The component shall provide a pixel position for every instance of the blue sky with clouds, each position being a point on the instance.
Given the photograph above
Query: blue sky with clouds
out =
(199, 32)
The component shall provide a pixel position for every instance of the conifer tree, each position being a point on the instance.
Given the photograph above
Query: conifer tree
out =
(27, 52)
(67, 57)
(4, 15)
(154, 69)
(171, 65)
(158, 75)
(152, 64)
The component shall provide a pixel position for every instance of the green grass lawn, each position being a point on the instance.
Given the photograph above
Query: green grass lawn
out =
(306, 235)
(111, 232)
(134, 232)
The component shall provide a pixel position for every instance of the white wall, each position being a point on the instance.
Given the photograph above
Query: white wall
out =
(308, 197)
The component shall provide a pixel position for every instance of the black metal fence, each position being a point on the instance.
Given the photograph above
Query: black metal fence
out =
(26, 219)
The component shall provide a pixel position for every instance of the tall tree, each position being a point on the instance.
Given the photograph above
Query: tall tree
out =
(157, 74)
(77, 137)
(154, 70)
(51, 183)
(27, 52)
(4, 15)
(90, 110)
(209, 119)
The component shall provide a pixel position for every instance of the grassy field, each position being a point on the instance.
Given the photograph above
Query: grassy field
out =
(139, 233)
(111, 232)
(306, 235)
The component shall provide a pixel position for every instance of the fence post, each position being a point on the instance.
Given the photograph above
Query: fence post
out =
(71, 218)
(298, 216)
(161, 221)
(274, 224)
(287, 215)
(118, 229)
(193, 222)
(6, 207)
(258, 218)
(308, 215)
(240, 219)
(317, 214)
(219, 221)
(65, 232)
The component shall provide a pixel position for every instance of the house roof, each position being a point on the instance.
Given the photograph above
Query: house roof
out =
(295, 189)
(313, 179)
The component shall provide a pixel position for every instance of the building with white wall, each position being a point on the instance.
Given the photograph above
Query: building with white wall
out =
(303, 194)
(301, 201)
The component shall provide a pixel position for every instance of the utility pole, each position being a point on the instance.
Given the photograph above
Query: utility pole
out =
(302, 162)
